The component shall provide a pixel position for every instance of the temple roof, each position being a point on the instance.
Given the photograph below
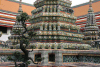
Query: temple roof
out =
(82, 9)
(79, 9)
(13, 6)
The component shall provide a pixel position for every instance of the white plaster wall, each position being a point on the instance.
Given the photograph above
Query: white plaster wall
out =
(4, 37)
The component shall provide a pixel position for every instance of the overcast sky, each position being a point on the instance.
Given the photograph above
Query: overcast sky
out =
(74, 2)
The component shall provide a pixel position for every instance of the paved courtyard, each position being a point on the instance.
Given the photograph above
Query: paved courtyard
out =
(67, 65)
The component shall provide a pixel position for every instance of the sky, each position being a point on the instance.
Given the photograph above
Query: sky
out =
(74, 2)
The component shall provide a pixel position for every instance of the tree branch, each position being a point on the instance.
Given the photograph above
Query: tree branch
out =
(26, 45)
(32, 60)
(22, 47)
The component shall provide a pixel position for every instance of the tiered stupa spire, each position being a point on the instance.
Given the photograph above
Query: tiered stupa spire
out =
(91, 15)
(90, 5)
(91, 28)
(20, 7)
(14, 38)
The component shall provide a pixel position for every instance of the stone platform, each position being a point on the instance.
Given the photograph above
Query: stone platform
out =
(63, 58)
(67, 65)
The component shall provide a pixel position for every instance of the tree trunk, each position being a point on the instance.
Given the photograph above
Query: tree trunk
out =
(26, 65)
(15, 64)
(26, 52)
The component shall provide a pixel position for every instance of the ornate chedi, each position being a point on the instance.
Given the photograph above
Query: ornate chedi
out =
(53, 21)
(17, 27)
(91, 28)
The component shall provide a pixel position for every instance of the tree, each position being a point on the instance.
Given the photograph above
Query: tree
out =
(23, 39)
(24, 42)
(17, 56)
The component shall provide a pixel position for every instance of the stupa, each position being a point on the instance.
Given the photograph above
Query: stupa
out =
(91, 28)
(54, 23)
(14, 39)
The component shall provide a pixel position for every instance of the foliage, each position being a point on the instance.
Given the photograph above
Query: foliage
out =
(17, 54)
(17, 31)
(24, 41)
(28, 62)
(31, 33)
(9, 58)
(16, 57)
(33, 47)
(22, 17)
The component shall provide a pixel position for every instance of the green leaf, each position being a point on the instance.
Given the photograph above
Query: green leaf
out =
(22, 17)
(9, 58)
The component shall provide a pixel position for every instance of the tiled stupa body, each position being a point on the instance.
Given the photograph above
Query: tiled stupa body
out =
(53, 21)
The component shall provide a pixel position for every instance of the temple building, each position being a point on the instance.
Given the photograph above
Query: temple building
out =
(8, 15)
(55, 23)
(81, 12)
(91, 31)
(59, 40)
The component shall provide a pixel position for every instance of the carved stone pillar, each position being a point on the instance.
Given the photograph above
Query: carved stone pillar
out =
(58, 58)
(45, 56)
